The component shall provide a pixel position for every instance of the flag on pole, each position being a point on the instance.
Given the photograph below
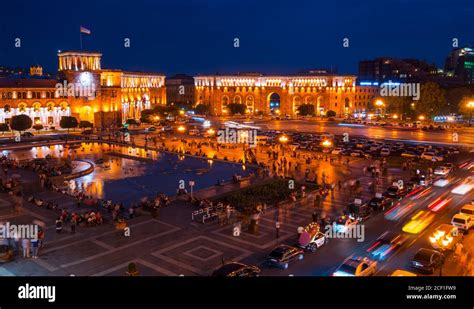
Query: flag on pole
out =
(85, 30)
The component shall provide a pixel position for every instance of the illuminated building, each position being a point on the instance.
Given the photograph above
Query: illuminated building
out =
(278, 94)
(82, 89)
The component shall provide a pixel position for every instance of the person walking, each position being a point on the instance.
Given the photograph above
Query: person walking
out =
(277, 229)
(131, 212)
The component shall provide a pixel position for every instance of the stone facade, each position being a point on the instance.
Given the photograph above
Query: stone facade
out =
(279, 94)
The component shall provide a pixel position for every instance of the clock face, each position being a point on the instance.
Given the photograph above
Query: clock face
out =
(85, 79)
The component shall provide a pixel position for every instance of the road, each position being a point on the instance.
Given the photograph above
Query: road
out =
(465, 136)
(325, 261)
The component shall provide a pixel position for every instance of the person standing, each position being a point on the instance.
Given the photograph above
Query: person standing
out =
(34, 248)
(131, 212)
(25, 244)
(277, 228)
(59, 225)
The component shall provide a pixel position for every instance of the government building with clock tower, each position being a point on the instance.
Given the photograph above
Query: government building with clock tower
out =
(82, 89)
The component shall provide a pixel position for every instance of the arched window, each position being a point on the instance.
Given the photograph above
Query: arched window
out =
(225, 100)
(7, 108)
(36, 106)
(237, 99)
(22, 107)
(50, 106)
(63, 106)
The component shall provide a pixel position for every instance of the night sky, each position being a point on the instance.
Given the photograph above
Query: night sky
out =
(197, 36)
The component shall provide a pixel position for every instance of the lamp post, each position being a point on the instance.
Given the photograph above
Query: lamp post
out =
(283, 140)
(470, 105)
(380, 104)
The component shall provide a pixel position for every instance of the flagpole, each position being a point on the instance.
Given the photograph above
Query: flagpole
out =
(80, 37)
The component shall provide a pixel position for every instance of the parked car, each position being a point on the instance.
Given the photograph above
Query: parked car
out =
(394, 192)
(385, 152)
(235, 269)
(431, 156)
(427, 260)
(151, 129)
(283, 255)
(380, 203)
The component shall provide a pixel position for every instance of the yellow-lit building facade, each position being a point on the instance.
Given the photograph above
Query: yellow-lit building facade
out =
(280, 94)
(83, 89)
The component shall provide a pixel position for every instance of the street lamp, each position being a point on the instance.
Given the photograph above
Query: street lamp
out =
(421, 117)
(181, 129)
(470, 105)
(380, 104)
(326, 143)
(283, 140)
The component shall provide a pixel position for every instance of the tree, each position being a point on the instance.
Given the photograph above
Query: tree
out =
(456, 96)
(399, 105)
(147, 115)
(466, 107)
(21, 123)
(38, 127)
(68, 122)
(131, 122)
(85, 124)
(202, 109)
(331, 113)
(4, 128)
(306, 110)
(236, 108)
(432, 100)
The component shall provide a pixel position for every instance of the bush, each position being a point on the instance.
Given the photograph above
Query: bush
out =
(85, 124)
(331, 113)
(306, 110)
(68, 122)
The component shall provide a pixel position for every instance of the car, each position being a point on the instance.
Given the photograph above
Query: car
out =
(336, 151)
(358, 267)
(194, 132)
(87, 132)
(357, 153)
(343, 223)
(380, 203)
(409, 154)
(386, 244)
(402, 273)
(419, 222)
(431, 156)
(6, 253)
(360, 210)
(167, 129)
(283, 255)
(462, 221)
(394, 192)
(468, 210)
(384, 152)
(427, 260)
(26, 134)
(311, 238)
(151, 129)
(235, 269)
(445, 237)
(442, 170)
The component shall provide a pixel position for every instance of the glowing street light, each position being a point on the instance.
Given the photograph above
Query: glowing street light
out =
(283, 139)
(395, 116)
(421, 117)
(380, 104)
(211, 131)
(470, 105)
(181, 112)
(326, 143)
(181, 129)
